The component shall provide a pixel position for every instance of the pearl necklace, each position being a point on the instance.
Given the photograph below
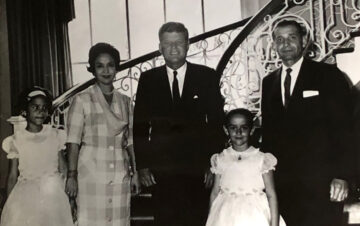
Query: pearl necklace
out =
(108, 93)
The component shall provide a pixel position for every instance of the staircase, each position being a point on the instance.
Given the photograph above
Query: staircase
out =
(242, 55)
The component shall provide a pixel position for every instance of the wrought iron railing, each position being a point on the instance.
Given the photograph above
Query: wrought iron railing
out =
(249, 58)
(206, 48)
(242, 53)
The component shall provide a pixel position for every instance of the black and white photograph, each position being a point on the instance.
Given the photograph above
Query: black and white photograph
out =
(179, 112)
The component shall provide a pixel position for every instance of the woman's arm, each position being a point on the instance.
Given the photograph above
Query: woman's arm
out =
(71, 182)
(272, 197)
(135, 183)
(131, 154)
(13, 175)
(215, 189)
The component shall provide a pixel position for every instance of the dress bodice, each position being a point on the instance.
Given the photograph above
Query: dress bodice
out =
(241, 172)
(37, 152)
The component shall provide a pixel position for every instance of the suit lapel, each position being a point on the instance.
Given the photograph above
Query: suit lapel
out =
(304, 73)
(276, 97)
(188, 82)
(165, 85)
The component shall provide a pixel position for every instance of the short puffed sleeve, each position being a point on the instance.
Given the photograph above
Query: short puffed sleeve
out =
(216, 164)
(9, 147)
(61, 137)
(269, 163)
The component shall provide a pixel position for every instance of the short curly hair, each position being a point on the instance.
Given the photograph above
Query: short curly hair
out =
(101, 48)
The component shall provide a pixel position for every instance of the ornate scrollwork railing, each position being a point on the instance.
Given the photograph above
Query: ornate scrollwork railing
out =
(242, 53)
(250, 57)
(206, 48)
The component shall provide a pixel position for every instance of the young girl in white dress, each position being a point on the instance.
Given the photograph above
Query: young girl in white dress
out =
(36, 193)
(243, 193)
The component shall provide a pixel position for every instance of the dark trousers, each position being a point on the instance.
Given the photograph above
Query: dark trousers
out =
(180, 200)
(299, 207)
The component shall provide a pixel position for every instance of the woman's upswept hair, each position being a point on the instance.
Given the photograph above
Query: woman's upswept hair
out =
(101, 48)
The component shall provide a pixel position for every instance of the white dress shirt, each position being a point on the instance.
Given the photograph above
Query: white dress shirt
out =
(294, 75)
(180, 76)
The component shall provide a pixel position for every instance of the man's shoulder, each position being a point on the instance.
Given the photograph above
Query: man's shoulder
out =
(271, 76)
(319, 65)
(152, 73)
(155, 70)
(199, 67)
(324, 71)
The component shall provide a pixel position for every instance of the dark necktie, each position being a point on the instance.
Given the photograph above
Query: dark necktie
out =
(175, 90)
(287, 85)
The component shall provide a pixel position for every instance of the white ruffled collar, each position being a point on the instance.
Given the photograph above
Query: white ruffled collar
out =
(250, 151)
(36, 137)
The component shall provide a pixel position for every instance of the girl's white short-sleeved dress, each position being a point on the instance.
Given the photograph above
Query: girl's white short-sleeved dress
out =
(38, 198)
(241, 200)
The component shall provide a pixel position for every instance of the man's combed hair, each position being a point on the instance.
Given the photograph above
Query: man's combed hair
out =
(101, 48)
(287, 22)
(174, 27)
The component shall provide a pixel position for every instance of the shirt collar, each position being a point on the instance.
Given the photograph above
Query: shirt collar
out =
(181, 70)
(295, 69)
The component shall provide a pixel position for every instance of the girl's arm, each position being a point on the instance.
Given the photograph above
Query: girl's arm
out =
(272, 197)
(71, 182)
(63, 168)
(215, 189)
(13, 175)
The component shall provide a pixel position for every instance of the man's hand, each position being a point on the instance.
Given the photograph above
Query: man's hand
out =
(339, 190)
(146, 177)
(208, 179)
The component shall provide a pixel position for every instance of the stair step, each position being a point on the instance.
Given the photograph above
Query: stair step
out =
(142, 207)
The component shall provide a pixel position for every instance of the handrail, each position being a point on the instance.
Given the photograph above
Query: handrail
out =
(272, 7)
(128, 64)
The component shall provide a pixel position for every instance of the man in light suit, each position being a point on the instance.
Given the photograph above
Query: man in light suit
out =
(177, 126)
(306, 122)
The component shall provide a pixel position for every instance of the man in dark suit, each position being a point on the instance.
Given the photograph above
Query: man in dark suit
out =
(306, 121)
(177, 126)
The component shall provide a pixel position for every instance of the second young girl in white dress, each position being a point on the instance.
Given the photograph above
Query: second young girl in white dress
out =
(243, 191)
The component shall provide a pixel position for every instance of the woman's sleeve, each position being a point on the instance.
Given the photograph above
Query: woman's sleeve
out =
(75, 121)
(215, 162)
(269, 163)
(130, 140)
(9, 147)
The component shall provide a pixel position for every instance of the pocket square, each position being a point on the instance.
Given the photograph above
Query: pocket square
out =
(196, 97)
(310, 93)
